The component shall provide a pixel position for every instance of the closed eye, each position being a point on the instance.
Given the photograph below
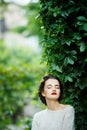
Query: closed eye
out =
(57, 86)
(49, 86)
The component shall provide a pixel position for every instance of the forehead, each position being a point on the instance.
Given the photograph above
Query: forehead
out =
(51, 81)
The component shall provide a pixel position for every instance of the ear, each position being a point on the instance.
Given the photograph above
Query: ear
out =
(43, 94)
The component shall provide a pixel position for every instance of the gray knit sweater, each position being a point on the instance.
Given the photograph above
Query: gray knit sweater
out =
(54, 120)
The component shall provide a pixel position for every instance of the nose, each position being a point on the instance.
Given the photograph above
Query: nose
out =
(54, 88)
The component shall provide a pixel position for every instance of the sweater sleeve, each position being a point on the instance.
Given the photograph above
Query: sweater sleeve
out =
(34, 124)
(68, 123)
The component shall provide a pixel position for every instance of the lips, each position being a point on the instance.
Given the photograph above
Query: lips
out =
(54, 93)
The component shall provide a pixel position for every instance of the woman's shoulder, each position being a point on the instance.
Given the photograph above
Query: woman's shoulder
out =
(68, 107)
(40, 114)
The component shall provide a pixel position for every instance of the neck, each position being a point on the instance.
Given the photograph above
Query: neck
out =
(53, 105)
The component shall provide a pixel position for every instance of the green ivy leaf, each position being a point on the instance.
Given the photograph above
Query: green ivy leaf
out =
(73, 52)
(81, 18)
(82, 47)
(68, 78)
(54, 14)
(85, 26)
(68, 42)
(56, 67)
(70, 61)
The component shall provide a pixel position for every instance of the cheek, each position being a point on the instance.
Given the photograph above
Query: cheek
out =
(46, 92)
(58, 91)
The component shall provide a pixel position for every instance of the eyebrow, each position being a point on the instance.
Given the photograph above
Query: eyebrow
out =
(51, 85)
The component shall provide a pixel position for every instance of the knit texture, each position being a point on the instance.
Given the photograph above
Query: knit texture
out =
(54, 120)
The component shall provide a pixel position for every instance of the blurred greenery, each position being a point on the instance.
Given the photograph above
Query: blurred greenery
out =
(34, 22)
(20, 72)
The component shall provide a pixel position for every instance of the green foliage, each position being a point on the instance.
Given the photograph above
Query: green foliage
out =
(33, 25)
(20, 71)
(65, 50)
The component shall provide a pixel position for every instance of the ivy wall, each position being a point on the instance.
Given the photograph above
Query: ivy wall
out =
(65, 50)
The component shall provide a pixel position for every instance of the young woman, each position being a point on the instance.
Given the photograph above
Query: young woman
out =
(56, 116)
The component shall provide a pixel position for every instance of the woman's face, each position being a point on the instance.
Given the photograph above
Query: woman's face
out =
(51, 89)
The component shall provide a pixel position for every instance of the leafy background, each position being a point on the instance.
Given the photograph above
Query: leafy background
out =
(62, 30)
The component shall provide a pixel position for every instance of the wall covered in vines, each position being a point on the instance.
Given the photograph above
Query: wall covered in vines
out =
(65, 50)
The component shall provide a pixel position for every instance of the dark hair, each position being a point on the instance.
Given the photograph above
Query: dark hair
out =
(41, 87)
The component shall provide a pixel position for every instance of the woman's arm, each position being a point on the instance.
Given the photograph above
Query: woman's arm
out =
(68, 123)
(34, 124)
